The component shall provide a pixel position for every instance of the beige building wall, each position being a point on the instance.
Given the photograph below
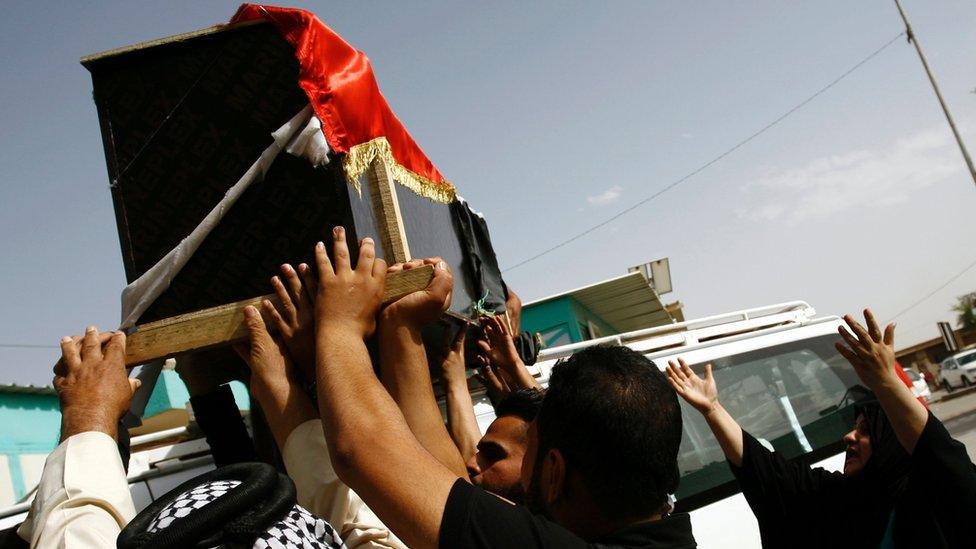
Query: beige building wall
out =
(6, 483)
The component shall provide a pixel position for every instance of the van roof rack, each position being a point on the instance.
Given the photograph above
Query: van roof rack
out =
(693, 332)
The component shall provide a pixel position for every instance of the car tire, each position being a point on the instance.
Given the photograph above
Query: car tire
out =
(966, 382)
(946, 386)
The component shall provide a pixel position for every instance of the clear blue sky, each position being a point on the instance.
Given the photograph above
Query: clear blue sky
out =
(550, 117)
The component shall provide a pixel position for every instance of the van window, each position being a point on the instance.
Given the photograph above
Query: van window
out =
(795, 396)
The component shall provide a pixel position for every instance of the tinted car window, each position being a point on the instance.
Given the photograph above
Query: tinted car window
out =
(967, 359)
(798, 396)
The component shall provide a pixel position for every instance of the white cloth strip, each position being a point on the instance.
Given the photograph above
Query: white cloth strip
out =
(301, 136)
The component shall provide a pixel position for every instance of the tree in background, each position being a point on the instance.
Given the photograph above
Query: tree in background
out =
(965, 307)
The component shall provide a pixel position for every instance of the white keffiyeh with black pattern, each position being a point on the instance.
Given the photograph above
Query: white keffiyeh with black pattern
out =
(298, 529)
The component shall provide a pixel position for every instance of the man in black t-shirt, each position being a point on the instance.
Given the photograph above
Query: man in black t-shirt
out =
(601, 461)
(601, 458)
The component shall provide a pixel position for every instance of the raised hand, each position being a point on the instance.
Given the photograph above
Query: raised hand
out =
(491, 378)
(92, 383)
(701, 393)
(452, 367)
(265, 356)
(498, 345)
(273, 381)
(461, 422)
(295, 322)
(424, 307)
(348, 299)
(499, 349)
(870, 352)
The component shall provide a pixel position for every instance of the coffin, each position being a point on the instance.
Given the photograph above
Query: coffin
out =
(184, 118)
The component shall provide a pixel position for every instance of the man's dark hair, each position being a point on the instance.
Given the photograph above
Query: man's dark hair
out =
(612, 414)
(524, 403)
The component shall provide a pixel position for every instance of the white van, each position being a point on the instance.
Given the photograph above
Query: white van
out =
(778, 374)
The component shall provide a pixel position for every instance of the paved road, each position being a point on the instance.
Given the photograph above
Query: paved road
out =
(958, 413)
(949, 406)
(963, 429)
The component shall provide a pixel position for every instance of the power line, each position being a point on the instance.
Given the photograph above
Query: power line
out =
(708, 164)
(935, 291)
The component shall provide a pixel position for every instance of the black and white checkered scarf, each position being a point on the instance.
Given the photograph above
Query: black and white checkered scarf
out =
(186, 516)
(298, 528)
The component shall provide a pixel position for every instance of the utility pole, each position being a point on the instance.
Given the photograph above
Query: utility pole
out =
(938, 93)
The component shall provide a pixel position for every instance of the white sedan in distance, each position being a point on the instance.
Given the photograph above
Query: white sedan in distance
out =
(959, 370)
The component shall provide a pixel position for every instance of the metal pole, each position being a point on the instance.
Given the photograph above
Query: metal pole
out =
(938, 93)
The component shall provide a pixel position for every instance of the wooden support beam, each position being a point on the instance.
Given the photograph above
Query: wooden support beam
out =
(223, 325)
(386, 208)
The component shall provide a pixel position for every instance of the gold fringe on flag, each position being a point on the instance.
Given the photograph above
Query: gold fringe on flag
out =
(359, 158)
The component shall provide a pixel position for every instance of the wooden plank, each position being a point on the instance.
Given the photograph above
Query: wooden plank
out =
(386, 208)
(223, 325)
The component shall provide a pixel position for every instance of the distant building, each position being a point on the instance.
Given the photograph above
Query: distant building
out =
(929, 354)
(31, 421)
(618, 305)
(31, 425)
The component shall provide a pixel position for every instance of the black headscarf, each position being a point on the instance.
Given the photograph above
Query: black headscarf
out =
(885, 474)
(862, 504)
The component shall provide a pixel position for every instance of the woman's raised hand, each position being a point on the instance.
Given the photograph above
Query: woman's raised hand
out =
(701, 393)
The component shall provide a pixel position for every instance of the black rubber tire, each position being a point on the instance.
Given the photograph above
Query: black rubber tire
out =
(946, 386)
(966, 382)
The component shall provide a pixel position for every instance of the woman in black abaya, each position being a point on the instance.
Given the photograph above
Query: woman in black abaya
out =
(906, 482)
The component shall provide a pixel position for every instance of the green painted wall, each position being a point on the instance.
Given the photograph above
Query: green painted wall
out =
(170, 393)
(554, 319)
(561, 321)
(583, 315)
(29, 424)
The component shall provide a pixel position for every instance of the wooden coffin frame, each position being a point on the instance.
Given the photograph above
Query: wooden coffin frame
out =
(223, 325)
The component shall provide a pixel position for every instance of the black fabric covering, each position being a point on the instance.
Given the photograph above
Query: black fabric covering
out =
(480, 255)
(925, 495)
(220, 420)
(181, 122)
(263, 498)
